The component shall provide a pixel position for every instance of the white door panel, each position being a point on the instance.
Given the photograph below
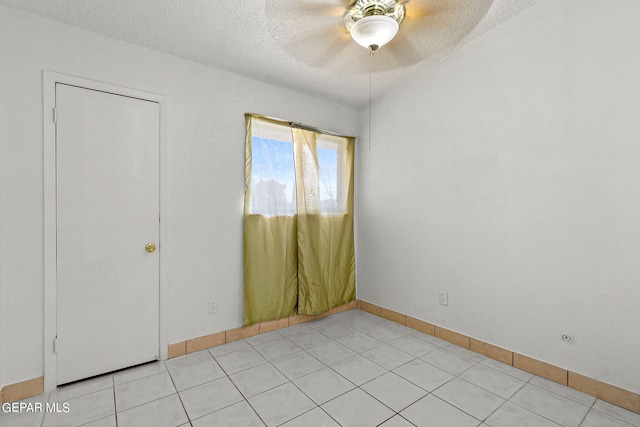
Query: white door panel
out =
(107, 160)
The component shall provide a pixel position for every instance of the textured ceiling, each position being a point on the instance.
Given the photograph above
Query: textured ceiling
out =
(300, 44)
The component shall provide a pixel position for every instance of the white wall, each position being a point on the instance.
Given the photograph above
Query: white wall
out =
(509, 176)
(202, 248)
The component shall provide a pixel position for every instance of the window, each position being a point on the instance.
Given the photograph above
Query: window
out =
(298, 221)
(273, 174)
(273, 183)
(331, 163)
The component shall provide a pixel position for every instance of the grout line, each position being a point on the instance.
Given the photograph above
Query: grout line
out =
(533, 412)
(179, 398)
(495, 410)
(587, 413)
(115, 402)
(328, 414)
(451, 404)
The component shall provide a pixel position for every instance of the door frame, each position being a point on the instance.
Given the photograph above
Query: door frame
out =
(49, 80)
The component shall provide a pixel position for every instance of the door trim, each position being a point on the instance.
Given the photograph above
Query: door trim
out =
(49, 79)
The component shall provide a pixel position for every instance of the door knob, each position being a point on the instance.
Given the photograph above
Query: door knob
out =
(150, 247)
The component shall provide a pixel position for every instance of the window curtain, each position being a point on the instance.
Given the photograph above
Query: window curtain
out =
(298, 221)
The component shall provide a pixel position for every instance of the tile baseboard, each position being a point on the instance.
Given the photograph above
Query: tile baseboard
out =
(22, 390)
(207, 341)
(624, 398)
(35, 386)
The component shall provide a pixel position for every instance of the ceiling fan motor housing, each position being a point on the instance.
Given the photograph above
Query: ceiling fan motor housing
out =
(363, 8)
(374, 23)
(373, 9)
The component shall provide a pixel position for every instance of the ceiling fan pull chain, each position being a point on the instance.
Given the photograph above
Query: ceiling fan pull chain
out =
(371, 53)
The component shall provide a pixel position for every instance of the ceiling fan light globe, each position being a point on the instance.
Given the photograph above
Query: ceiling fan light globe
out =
(375, 30)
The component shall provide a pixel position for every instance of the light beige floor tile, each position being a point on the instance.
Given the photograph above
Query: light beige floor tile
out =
(396, 421)
(394, 391)
(323, 385)
(229, 347)
(331, 352)
(359, 369)
(507, 369)
(281, 404)
(188, 359)
(491, 380)
(165, 412)
(476, 357)
(431, 411)
(196, 374)
(276, 349)
(258, 379)
(511, 415)
(240, 360)
(308, 339)
(359, 342)
(614, 411)
(315, 417)
(413, 346)
(469, 398)
(423, 374)
(138, 372)
(398, 327)
(40, 399)
(83, 410)
(237, 415)
(109, 421)
(357, 409)
(298, 365)
(549, 405)
(262, 338)
(209, 397)
(138, 392)
(564, 391)
(336, 330)
(387, 356)
(599, 419)
(29, 419)
(359, 323)
(428, 338)
(383, 333)
(295, 329)
(448, 361)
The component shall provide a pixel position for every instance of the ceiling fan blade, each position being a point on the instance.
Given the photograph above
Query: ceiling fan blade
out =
(416, 9)
(405, 52)
(334, 40)
(311, 31)
(317, 7)
(432, 28)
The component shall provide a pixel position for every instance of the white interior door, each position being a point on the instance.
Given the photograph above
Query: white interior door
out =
(107, 284)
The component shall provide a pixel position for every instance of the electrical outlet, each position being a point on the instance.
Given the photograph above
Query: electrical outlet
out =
(213, 306)
(567, 338)
(444, 298)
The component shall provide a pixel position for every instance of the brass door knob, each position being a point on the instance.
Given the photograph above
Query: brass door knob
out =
(150, 247)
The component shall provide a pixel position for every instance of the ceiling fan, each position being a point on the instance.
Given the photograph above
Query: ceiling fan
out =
(320, 33)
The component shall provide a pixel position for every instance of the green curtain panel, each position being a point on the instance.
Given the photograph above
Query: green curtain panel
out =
(326, 260)
(270, 268)
(298, 221)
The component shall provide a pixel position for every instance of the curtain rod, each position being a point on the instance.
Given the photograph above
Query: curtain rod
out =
(315, 129)
(299, 125)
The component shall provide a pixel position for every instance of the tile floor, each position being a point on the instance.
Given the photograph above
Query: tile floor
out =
(349, 369)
